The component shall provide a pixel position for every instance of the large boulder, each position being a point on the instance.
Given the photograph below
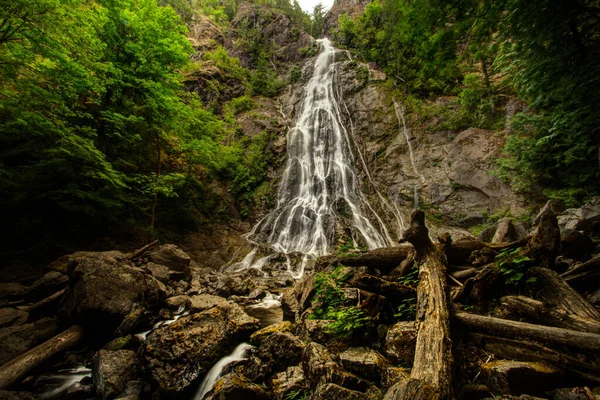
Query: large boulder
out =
(318, 365)
(364, 362)
(50, 283)
(331, 391)
(172, 257)
(287, 382)
(516, 377)
(400, 342)
(583, 218)
(281, 350)
(103, 291)
(11, 316)
(112, 370)
(236, 387)
(178, 353)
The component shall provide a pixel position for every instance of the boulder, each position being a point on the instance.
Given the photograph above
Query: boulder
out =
(205, 302)
(257, 337)
(516, 377)
(331, 391)
(12, 317)
(289, 304)
(318, 365)
(364, 362)
(12, 290)
(574, 393)
(62, 264)
(287, 382)
(576, 245)
(583, 218)
(9, 395)
(281, 350)
(235, 387)
(177, 302)
(133, 391)
(400, 342)
(16, 340)
(112, 370)
(315, 330)
(173, 258)
(178, 353)
(392, 375)
(47, 285)
(553, 206)
(158, 271)
(508, 231)
(103, 291)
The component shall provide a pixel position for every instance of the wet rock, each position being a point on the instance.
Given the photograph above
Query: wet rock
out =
(281, 350)
(12, 317)
(364, 362)
(474, 392)
(508, 231)
(9, 395)
(133, 391)
(289, 304)
(315, 330)
(173, 258)
(206, 301)
(297, 299)
(576, 245)
(47, 285)
(555, 207)
(128, 342)
(176, 302)
(581, 219)
(282, 327)
(318, 365)
(400, 342)
(285, 383)
(516, 377)
(576, 393)
(102, 292)
(158, 271)
(16, 340)
(392, 375)
(112, 370)
(62, 264)
(235, 387)
(178, 353)
(12, 290)
(331, 391)
(80, 390)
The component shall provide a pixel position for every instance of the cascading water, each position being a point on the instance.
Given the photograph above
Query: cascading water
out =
(319, 179)
(238, 354)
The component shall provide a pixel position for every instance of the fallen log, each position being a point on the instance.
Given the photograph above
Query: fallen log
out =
(45, 301)
(430, 376)
(522, 350)
(589, 269)
(139, 252)
(19, 366)
(556, 291)
(542, 313)
(386, 258)
(515, 329)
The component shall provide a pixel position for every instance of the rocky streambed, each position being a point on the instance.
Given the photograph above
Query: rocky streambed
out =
(154, 323)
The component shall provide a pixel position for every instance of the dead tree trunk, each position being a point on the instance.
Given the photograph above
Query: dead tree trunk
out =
(430, 377)
(514, 329)
(16, 368)
(386, 258)
(556, 291)
(535, 310)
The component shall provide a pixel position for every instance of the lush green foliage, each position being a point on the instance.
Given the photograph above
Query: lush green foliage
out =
(98, 137)
(407, 309)
(513, 266)
(547, 52)
(330, 302)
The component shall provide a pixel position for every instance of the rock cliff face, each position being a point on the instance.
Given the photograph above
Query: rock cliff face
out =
(352, 7)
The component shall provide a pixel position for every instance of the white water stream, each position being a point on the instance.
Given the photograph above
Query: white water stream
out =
(319, 179)
(214, 374)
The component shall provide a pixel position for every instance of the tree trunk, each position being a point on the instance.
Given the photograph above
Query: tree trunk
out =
(515, 329)
(386, 258)
(537, 311)
(139, 252)
(18, 367)
(158, 171)
(522, 350)
(430, 376)
(556, 291)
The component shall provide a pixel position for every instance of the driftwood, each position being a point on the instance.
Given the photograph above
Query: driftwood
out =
(430, 376)
(556, 291)
(140, 252)
(515, 329)
(18, 367)
(522, 350)
(535, 310)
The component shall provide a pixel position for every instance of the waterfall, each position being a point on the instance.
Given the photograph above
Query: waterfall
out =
(214, 374)
(319, 177)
